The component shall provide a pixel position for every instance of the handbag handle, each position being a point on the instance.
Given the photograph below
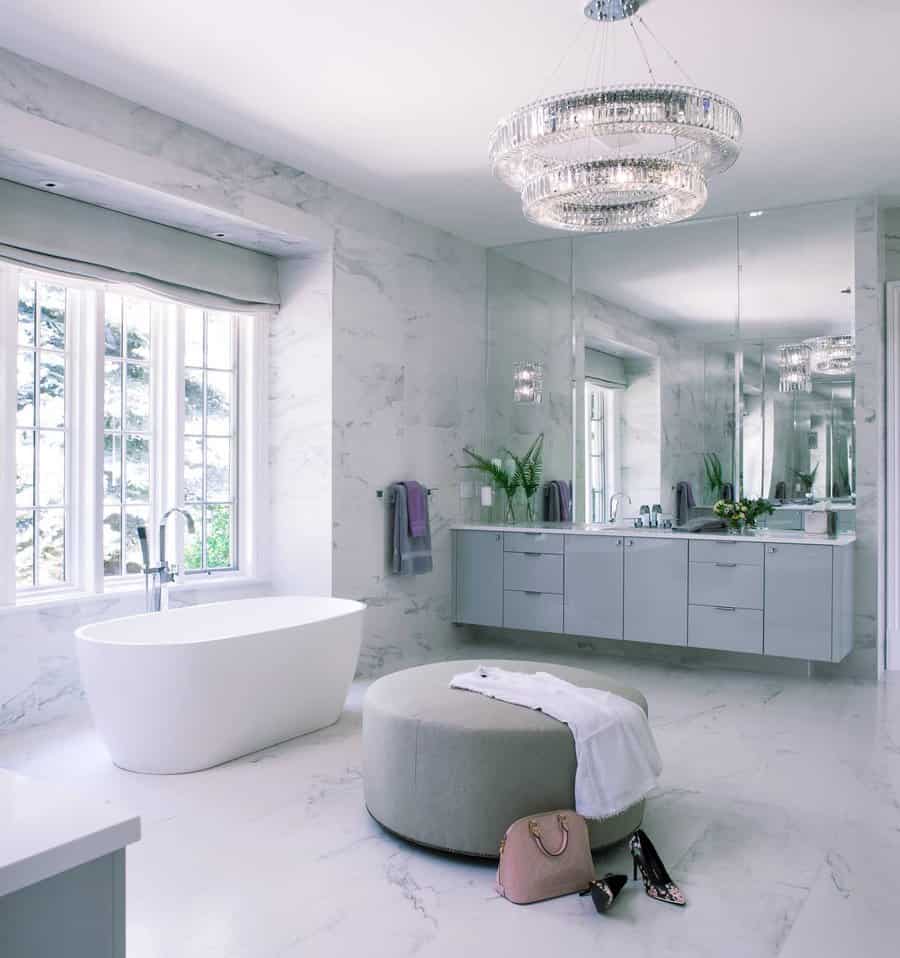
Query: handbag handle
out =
(535, 831)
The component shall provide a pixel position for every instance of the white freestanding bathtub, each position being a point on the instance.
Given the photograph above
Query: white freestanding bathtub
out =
(186, 689)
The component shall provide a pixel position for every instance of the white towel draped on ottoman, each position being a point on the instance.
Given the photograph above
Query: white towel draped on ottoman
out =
(618, 762)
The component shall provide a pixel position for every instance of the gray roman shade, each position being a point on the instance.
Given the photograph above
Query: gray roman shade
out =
(605, 369)
(46, 231)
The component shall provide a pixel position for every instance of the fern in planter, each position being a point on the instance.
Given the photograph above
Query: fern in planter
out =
(712, 466)
(507, 482)
(528, 473)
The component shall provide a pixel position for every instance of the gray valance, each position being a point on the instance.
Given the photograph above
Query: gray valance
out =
(604, 368)
(45, 231)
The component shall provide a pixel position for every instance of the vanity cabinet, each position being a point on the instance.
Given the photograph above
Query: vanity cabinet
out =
(656, 590)
(799, 602)
(791, 599)
(594, 586)
(478, 577)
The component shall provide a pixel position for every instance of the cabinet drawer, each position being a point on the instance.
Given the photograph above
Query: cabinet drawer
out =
(593, 545)
(533, 542)
(726, 583)
(537, 611)
(727, 549)
(533, 572)
(726, 629)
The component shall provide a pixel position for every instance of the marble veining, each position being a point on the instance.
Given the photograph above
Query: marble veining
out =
(776, 813)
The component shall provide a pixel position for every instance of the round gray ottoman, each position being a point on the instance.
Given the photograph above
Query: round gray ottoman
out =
(453, 770)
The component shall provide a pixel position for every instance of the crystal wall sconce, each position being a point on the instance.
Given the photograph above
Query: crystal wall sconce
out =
(793, 366)
(528, 382)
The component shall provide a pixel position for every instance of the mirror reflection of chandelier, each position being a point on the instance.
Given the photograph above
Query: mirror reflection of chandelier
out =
(820, 356)
(831, 355)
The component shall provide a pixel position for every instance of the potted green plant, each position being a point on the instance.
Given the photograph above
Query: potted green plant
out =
(506, 481)
(527, 473)
(806, 479)
(742, 514)
(715, 480)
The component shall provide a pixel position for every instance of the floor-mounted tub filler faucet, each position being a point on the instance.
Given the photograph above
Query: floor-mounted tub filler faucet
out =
(157, 578)
(614, 505)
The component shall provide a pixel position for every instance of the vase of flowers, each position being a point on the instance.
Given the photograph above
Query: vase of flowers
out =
(742, 515)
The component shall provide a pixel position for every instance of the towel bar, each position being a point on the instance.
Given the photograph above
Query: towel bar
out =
(381, 494)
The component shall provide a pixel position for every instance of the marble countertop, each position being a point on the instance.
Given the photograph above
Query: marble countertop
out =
(45, 830)
(573, 528)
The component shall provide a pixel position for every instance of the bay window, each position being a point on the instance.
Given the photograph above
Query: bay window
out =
(125, 405)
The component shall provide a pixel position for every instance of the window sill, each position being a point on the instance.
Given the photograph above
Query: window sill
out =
(60, 599)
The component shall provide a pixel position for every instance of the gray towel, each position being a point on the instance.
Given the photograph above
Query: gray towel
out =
(552, 504)
(684, 502)
(410, 555)
(704, 524)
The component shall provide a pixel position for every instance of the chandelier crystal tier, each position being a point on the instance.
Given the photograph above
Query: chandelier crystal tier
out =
(613, 158)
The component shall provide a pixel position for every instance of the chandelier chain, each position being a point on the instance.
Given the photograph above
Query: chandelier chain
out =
(578, 35)
(641, 47)
(664, 48)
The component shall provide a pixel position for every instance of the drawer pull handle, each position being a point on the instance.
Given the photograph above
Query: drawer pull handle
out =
(726, 565)
(532, 592)
(725, 608)
(725, 542)
(533, 555)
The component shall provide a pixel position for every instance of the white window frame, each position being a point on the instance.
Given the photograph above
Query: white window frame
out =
(84, 448)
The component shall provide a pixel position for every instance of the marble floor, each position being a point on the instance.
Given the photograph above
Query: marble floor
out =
(778, 813)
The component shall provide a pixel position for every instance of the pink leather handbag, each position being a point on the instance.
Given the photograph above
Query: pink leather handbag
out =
(545, 856)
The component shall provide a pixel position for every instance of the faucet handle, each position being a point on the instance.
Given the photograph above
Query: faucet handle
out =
(145, 545)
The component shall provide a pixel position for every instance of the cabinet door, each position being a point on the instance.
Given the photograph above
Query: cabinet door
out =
(798, 609)
(478, 565)
(594, 574)
(656, 590)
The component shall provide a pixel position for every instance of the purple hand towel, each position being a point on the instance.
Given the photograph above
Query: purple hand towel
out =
(417, 506)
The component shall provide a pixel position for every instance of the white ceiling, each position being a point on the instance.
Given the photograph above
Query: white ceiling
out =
(396, 100)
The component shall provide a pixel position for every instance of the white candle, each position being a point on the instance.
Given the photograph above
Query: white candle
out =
(487, 497)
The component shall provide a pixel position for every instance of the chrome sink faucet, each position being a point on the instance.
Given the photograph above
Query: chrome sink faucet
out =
(614, 505)
(157, 578)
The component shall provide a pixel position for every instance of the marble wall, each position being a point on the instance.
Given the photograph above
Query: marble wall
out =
(376, 361)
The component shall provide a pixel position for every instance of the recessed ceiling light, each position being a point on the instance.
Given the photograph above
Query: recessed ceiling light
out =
(49, 185)
(756, 213)
(220, 235)
(847, 290)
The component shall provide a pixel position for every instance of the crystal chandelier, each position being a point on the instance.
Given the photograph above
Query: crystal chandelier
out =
(613, 158)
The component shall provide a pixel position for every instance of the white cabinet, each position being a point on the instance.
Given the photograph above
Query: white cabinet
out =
(478, 577)
(594, 586)
(656, 590)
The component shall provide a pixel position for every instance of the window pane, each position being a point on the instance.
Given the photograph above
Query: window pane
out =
(112, 542)
(137, 327)
(137, 397)
(52, 301)
(112, 468)
(219, 338)
(112, 326)
(26, 313)
(218, 403)
(25, 389)
(193, 541)
(24, 549)
(193, 468)
(112, 395)
(24, 468)
(53, 395)
(134, 562)
(218, 469)
(218, 537)
(193, 401)
(52, 547)
(137, 468)
(52, 469)
(193, 337)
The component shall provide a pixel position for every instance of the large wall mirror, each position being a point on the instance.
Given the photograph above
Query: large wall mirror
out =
(716, 352)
